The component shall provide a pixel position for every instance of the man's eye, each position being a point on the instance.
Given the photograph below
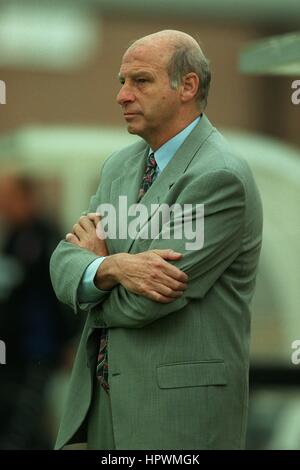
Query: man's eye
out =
(141, 80)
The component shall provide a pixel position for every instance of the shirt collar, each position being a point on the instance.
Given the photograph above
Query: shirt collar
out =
(166, 152)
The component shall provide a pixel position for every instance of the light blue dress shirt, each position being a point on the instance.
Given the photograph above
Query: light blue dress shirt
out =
(88, 293)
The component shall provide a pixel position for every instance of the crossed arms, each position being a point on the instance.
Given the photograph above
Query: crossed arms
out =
(149, 285)
(148, 273)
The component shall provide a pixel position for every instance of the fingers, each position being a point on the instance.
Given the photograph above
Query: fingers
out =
(147, 274)
(162, 280)
(172, 284)
(84, 234)
(174, 272)
(169, 268)
(168, 292)
(70, 237)
(167, 286)
(78, 231)
(157, 297)
(86, 223)
(168, 254)
(95, 217)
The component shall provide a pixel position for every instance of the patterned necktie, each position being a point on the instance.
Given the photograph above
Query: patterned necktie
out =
(102, 361)
(149, 175)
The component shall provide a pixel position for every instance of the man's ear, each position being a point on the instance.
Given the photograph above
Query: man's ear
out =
(189, 86)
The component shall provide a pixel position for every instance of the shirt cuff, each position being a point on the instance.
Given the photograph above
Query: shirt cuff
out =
(87, 292)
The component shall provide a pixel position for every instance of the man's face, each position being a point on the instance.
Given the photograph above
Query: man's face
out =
(148, 102)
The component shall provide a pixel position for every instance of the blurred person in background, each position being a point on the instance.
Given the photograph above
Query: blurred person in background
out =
(33, 325)
(164, 357)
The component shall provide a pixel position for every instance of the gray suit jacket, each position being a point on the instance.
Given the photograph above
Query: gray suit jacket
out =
(178, 371)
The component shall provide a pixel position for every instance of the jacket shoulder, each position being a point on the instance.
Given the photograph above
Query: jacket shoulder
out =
(218, 155)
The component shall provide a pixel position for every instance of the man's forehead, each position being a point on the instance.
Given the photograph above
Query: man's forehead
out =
(134, 67)
(146, 55)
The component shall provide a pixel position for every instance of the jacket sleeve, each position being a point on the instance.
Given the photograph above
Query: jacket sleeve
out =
(69, 262)
(223, 196)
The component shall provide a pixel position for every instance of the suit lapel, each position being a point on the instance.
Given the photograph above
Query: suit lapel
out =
(182, 159)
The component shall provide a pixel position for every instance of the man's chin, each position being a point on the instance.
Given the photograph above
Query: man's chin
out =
(133, 130)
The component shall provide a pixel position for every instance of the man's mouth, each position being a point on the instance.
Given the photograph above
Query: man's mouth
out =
(131, 115)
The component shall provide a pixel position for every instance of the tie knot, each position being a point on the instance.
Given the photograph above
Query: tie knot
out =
(151, 162)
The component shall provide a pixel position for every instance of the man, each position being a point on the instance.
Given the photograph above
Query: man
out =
(172, 322)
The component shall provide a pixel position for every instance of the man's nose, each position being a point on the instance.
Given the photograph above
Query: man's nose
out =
(125, 95)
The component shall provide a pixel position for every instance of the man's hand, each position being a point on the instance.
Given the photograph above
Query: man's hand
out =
(85, 235)
(148, 274)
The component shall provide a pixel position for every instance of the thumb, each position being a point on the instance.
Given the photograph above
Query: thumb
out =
(168, 254)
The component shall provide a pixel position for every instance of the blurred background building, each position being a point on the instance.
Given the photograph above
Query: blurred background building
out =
(59, 62)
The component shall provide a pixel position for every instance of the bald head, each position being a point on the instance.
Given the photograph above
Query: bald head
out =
(168, 39)
(181, 54)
